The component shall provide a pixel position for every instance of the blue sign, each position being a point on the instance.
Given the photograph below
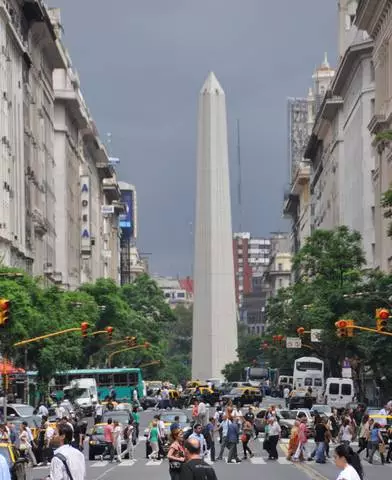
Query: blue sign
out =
(126, 219)
(84, 188)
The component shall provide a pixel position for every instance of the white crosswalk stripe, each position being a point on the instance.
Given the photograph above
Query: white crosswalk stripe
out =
(100, 464)
(153, 463)
(257, 461)
(127, 463)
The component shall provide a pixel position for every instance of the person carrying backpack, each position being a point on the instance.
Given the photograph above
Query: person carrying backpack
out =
(128, 435)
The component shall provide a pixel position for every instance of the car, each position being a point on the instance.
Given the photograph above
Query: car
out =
(121, 416)
(97, 442)
(149, 401)
(18, 410)
(287, 419)
(321, 410)
(17, 463)
(243, 396)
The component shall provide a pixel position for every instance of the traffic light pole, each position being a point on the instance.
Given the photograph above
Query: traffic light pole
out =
(42, 337)
(111, 355)
(373, 330)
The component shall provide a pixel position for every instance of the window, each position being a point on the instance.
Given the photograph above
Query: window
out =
(334, 389)
(167, 295)
(120, 379)
(372, 72)
(280, 267)
(318, 382)
(180, 295)
(308, 382)
(302, 366)
(133, 378)
(105, 379)
(346, 389)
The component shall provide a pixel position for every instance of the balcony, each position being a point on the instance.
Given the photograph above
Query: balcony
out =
(111, 189)
(40, 222)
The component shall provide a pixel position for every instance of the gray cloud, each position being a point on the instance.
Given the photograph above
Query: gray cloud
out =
(142, 64)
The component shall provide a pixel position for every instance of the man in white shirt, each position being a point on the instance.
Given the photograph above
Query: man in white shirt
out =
(67, 459)
(98, 412)
(286, 395)
(202, 414)
(225, 427)
(43, 411)
(60, 411)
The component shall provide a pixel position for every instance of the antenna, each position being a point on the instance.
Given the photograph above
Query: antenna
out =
(239, 175)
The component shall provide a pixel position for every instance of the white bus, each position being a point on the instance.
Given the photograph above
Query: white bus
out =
(309, 372)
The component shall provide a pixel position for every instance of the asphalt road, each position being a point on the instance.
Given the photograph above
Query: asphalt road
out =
(251, 469)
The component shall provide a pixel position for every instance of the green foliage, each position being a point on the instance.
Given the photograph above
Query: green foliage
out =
(138, 309)
(332, 285)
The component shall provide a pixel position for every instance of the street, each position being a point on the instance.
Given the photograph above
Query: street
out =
(251, 469)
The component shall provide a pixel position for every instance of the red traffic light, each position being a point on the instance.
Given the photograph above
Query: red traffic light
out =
(383, 313)
(147, 345)
(4, 310)
(110, 331)
(279, 338)
(341, 324)
(84, 327)
(300, 330)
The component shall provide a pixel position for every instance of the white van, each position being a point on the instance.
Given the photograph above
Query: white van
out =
(83, 392)
(339, 392)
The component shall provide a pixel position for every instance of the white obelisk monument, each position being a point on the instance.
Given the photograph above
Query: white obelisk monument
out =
(214, 340)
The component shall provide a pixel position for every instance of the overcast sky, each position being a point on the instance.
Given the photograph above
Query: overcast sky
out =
(142, 64)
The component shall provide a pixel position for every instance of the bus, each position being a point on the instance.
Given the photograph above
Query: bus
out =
(122, 380)
(255, 375)
(309, 372)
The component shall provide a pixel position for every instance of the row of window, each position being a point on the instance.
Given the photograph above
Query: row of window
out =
(103, 379)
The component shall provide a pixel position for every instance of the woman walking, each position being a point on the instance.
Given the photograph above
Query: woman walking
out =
(376, 443)
(274, 434)
(25, 445)
(364, 434)
(176, 454)
(349, 462)
(346, 433)
(154, 441)
(294, 440)
(245, 437)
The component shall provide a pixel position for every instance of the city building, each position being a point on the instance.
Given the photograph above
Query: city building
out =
(339, 148)
(301, 115)
(176, 291)
(375, 17)
(251, 257)
(59, 201)
(131, 265)
(278, 273)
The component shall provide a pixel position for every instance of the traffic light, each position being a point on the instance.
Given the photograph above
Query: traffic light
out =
(382, 316)
(300, 331)
(341, 326)
(147, 345)
(350, 328)
(4, 311)
(83, 328)
(110, 332)
(131, 341)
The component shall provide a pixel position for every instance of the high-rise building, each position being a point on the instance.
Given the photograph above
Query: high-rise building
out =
(375, 17)
(301, 115)
(251, 257)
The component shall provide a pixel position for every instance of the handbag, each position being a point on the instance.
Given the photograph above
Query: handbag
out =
(175, 466)
(381, 448)
(244, 437)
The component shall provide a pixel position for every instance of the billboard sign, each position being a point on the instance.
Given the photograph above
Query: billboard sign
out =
(107, 209)
(126, 219)
(114, 160)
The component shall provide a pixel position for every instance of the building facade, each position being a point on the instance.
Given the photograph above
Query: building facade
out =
(298, 205)
(375, 17)
(339, 148)
(57, 183)
(175, 290)
(278, 273)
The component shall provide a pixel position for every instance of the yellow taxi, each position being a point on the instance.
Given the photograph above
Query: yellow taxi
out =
(243, 396)
(16, 463)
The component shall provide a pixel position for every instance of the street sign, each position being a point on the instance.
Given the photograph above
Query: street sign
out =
(107, 209)
(315, 334)
(347, 372)
(114, 160)
(293, 342)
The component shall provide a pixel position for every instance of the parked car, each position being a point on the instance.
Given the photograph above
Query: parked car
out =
(243, 396)
(18, 410)
(18, 464)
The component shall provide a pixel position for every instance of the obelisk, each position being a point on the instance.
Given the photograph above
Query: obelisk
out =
(214, 340)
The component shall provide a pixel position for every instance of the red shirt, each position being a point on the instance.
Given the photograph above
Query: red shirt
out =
(108, 433)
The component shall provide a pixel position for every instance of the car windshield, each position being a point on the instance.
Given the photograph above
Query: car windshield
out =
(169, 418)
(22, 410)
(119, 416)
(321, 408)
(6, 454)
(373, 411)
(288, 414)
(98, 430)
(236, 391)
